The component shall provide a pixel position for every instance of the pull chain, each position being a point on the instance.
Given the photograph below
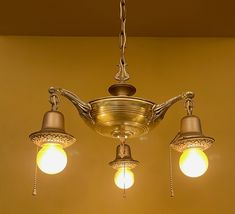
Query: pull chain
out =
(172, 194)
(123, 141)
(34, 192)
(122, 74)
(124, 190)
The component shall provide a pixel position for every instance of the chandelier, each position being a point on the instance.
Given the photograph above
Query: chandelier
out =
(120, 116)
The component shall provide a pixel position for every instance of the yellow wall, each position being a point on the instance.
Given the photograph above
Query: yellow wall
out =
(159, 68)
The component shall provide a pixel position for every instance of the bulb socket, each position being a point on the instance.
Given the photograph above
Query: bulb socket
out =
(191, 125)
(53, 121)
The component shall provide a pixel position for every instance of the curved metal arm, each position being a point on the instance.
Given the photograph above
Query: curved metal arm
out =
(82, 107)
(160, 110)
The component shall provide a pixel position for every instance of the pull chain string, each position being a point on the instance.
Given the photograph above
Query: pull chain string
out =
(122, 74)
(172, 194)
(124, 190)
(34, 192)
(123, 141)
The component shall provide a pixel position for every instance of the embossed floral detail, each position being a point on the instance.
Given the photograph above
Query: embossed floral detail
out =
(197, 142)
(64, 139)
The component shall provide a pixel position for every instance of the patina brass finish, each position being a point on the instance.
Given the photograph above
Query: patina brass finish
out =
(121, 116)
(128, 116)
(190, 135)
(53, 121)
(52, 131)
(122, 89)
(123, 158)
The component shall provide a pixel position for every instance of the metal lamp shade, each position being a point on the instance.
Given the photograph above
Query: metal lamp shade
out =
(123, 158)
(52, 131)
(190, 135)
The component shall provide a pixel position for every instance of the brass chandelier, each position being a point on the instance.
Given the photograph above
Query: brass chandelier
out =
(121, 116)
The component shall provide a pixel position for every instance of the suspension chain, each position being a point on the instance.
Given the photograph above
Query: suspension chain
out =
(54, 101)
(189, 106)
(122, 74)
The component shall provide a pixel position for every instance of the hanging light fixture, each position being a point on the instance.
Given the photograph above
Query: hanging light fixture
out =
(52, 138)
(124, 177)
(120, 116)
(191, 142)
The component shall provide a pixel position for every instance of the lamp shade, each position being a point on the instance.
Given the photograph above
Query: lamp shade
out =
(52, 131)
(123, 158)
(190, 135)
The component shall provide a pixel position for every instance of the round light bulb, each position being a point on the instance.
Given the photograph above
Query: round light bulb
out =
(124, 178)
(51, 159)
(193, 162)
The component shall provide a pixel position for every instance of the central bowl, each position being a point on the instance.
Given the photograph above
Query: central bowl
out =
(121, 116)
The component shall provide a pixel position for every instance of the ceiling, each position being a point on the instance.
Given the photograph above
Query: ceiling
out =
(155, 18)
(163, 68)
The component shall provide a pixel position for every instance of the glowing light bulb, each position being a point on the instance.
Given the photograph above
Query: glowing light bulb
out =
(51, 159)
(124, 178)
(193, 162)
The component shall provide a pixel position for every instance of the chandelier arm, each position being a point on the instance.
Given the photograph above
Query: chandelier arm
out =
(82, 107)
(160, 110)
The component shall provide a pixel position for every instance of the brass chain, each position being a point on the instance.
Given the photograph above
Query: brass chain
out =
(54, 101)
(172, 194)
(122, 74)
(35, 180)
(189, 106)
